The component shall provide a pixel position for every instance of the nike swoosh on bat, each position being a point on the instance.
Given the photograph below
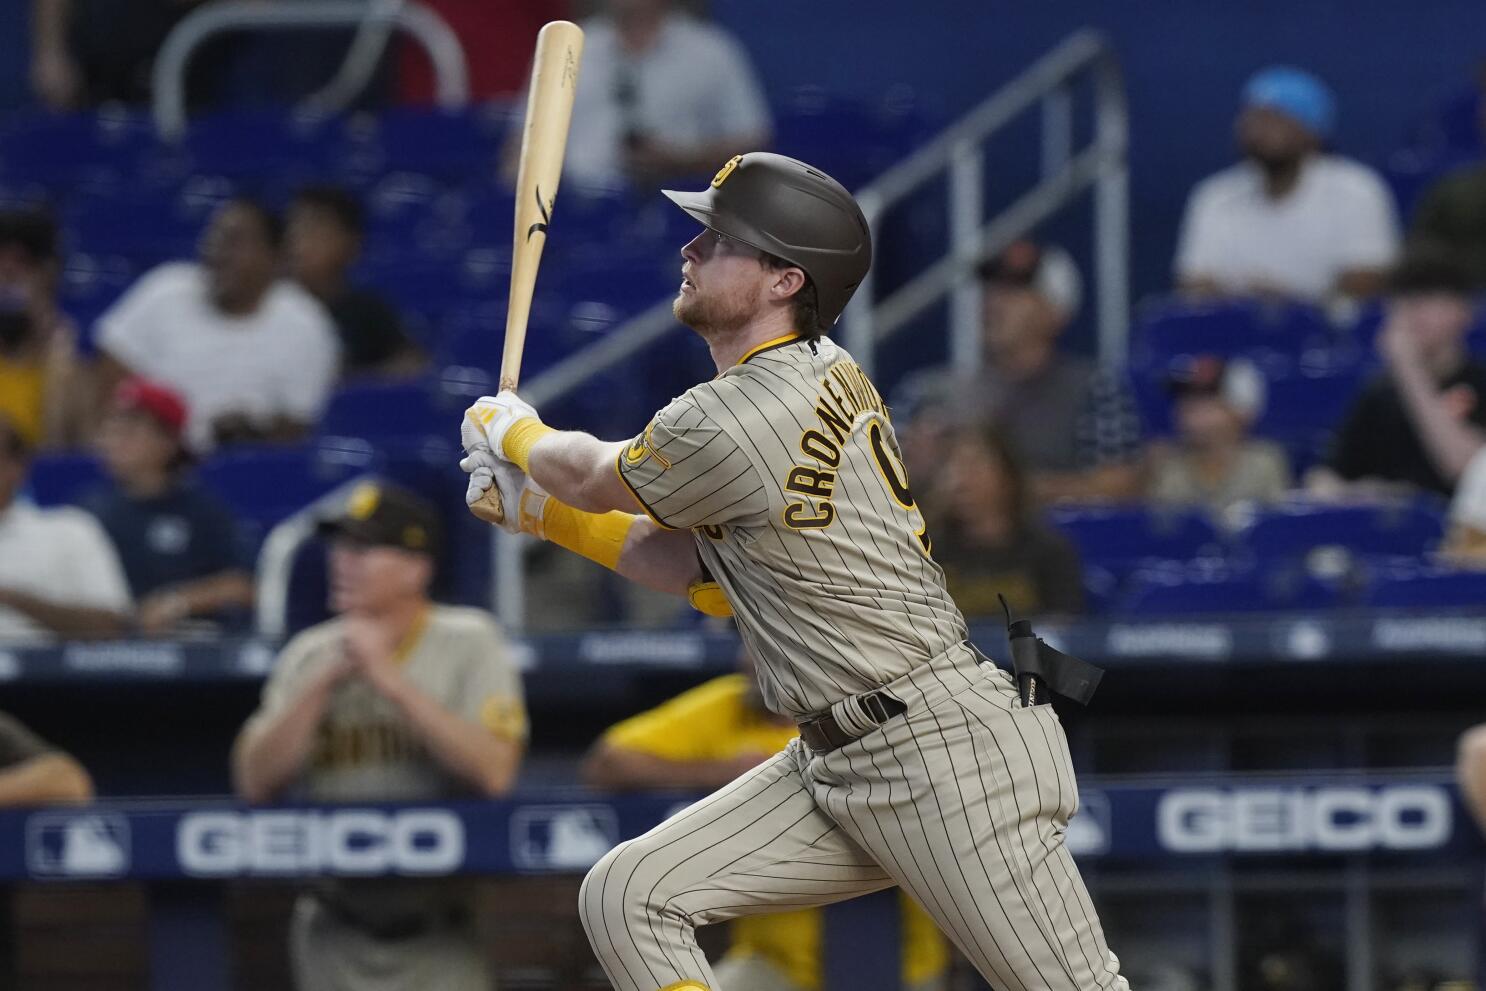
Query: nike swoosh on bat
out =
(546, 217)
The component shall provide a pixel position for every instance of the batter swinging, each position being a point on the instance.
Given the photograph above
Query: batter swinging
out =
(777, 491)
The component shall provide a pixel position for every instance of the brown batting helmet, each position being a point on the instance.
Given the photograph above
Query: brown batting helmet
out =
(787, 208)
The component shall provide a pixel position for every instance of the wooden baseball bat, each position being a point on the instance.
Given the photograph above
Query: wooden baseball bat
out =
(549, 110)
(544, 137)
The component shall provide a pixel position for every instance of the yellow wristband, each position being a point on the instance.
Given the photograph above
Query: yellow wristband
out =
(709, 598)
(520, 438)
(597, 536)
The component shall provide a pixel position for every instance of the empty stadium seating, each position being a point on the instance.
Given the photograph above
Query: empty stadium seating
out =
(1121, 539)
(1195, 587)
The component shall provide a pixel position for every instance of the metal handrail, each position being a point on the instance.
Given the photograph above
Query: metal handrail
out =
(959, 152)
(426, 27)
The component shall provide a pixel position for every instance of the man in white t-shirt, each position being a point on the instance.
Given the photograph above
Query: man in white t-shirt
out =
(660, 95)
(59, 575)
(1289, 220)
(254, 355)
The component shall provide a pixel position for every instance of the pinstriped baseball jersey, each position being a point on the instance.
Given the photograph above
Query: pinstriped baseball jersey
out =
(787, 470)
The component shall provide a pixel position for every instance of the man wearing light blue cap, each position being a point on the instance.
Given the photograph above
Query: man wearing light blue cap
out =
(1290, 220)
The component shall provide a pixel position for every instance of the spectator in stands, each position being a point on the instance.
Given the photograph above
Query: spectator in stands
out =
(254, 356)
(1213, 462)
(394, 699)
(323, 240)
(1075, 427)
(1470, 772)
(1452, 213)
(177, 542)
(33, 772)
(990, 539)
(1419, 424)
(1290, 220)
(87, 52)
(700, 741)
(59, 575)
(661, 95)
(39, 372)
(1465, 539)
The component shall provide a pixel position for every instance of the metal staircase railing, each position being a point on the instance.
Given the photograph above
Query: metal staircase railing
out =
(373, 19)
(959, 152)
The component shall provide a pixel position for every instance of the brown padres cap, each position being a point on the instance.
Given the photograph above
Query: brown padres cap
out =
(383, 515)
(784, 207)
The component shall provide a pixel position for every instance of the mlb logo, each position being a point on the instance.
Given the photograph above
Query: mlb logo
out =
(1088, 830)
(562, 837)
(85, 845)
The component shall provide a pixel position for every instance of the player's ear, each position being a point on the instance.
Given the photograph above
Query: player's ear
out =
(787, 282)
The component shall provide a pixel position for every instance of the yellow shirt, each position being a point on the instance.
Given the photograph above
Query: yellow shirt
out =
(22, 388)
(715, 721)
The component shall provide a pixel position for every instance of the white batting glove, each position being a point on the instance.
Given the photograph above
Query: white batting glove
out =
(521, 500)
(486, 422)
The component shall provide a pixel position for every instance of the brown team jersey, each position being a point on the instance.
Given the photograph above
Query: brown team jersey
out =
(786, 469)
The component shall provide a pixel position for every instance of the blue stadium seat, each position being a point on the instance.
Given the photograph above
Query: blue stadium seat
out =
(1120, 538)
(383, 411)
(90, 284)
(1293, 529)
(1306, 404)
(852, 140)
(1187, 588)
(1422, 586)
(444, 143)
(1176, 326)
(261, 144)
(147, 227)
(63, 152)
(62, 479)
(263, 485)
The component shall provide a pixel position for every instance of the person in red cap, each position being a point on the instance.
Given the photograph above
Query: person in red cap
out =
(178, 543)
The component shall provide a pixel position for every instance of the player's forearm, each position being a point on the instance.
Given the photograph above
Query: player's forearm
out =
(49, 23)
(83, 622)
(271, 751)
(1449, 441)
(223, 590)
(578, 469)
(660, 559)
(45, 780)
(469, 751)
(612, 768)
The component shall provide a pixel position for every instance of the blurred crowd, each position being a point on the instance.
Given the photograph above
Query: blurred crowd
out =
(246, 343)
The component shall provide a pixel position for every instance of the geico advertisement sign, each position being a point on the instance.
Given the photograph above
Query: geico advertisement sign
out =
(353, 841)
(1327, 819)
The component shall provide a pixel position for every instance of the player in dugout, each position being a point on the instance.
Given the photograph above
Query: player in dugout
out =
(702, 739)
(775, 492)
(394, 699)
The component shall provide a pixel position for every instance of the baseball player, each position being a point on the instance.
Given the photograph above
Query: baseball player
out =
(776, 492)
(395, 699)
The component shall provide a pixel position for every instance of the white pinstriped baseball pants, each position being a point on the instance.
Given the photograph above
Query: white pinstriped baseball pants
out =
(963, 800)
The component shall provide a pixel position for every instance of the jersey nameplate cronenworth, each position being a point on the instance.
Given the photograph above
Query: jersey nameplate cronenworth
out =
(787, 469)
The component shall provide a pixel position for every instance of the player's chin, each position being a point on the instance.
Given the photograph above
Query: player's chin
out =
(686, 308)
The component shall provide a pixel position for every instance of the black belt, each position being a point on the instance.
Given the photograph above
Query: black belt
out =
(823, 734)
